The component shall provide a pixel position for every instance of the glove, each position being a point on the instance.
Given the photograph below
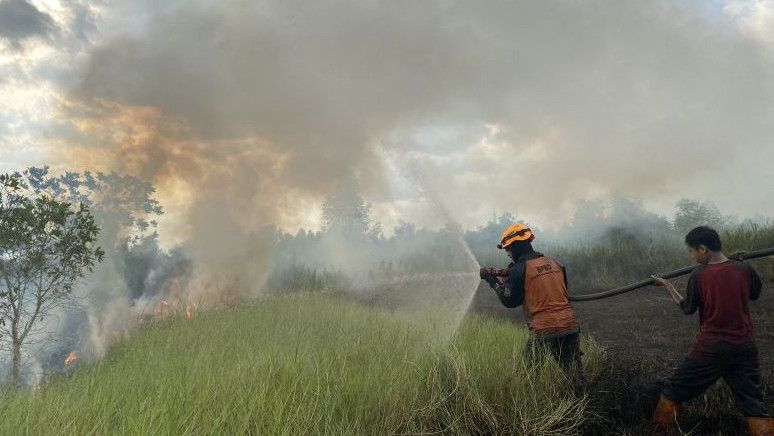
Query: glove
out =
(486, 272)
(492, 275)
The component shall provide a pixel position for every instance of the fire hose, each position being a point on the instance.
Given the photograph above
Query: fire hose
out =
(494, 275)
(740, 256)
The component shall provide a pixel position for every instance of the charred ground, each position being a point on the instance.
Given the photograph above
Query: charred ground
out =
(646, 336)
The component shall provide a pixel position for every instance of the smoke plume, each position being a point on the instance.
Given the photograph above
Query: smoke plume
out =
(585, 100)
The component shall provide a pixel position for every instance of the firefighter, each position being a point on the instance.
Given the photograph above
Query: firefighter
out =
(539, 284)
(725, 346)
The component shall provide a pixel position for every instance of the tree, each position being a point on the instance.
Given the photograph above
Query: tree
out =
(123, 205)
(126, 213)
(692, 213)
(345, 212)
(46, 245)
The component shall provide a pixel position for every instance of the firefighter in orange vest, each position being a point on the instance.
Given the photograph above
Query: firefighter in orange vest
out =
(539, 284)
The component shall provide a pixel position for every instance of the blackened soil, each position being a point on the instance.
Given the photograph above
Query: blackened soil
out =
(646, 336)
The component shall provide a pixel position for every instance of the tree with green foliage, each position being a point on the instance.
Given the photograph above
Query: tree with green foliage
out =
(692, 213)
(45, 247)
(126, 212)
(123, 206)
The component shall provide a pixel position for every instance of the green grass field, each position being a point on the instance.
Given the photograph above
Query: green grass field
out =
(308, 364)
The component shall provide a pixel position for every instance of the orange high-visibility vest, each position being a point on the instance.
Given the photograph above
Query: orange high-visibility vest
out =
(546, 305)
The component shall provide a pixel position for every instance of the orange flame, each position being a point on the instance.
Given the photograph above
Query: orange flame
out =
(70, 359)
(161, 309)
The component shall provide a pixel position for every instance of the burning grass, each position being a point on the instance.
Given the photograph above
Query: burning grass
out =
(308, 364)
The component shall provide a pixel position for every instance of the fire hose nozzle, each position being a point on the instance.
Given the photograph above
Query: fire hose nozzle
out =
(493, 275)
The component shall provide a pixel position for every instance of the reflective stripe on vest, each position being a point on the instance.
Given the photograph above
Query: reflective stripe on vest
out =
(546, 305)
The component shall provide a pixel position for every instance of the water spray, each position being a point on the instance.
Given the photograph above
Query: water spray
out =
(466, 282)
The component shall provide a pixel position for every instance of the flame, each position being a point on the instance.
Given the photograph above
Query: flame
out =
(70, 359)
(189, 311)
(161, 309)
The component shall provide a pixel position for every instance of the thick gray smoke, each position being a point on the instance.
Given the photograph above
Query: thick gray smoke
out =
(637, 99)
(20, 20)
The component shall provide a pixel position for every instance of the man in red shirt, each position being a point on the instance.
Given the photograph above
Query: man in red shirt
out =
(720, 289)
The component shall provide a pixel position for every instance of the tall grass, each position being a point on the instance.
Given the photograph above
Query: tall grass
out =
(749, 237)
(615, 257)
(623, 256)
(307, 364)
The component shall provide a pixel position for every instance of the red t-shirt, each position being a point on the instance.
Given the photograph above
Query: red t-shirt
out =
(720, 292)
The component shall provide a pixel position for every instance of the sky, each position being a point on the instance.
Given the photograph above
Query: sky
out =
(254, 111)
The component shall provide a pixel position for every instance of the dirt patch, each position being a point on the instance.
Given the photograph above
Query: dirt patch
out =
(646, 336)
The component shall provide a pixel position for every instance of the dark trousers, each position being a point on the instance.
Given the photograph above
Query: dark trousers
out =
(736, 364)
(565, 349)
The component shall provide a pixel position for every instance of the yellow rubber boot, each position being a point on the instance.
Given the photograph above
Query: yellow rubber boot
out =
(760, 426)
(665, 415)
